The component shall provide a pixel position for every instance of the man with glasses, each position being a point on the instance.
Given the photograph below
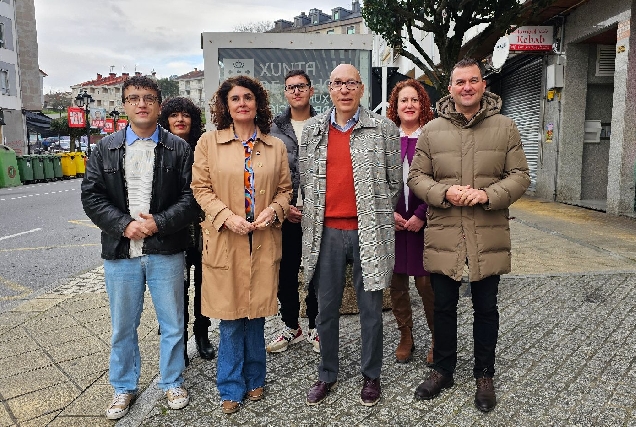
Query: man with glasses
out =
(351, 174)
(137, 191)
(469, 167)
(288, 127)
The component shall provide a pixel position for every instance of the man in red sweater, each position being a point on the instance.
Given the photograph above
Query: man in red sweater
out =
(350, 170)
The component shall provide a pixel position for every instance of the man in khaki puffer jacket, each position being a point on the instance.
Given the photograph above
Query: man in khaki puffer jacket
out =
(469, 167)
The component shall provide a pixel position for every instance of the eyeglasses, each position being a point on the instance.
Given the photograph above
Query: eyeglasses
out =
(350, 84)
(148, 99)
(302, 87)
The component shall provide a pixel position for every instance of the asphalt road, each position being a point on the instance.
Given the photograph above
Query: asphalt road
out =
(45, 238)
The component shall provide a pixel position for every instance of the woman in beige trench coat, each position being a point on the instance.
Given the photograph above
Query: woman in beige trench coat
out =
(241, 180)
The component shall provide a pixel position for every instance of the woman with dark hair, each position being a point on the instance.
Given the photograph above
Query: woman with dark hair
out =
(181, 117)
(410, 109)
(242, 181)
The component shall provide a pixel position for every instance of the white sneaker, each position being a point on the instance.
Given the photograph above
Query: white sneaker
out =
(286, 338)
(314, 339)
(119, 406)
(177, 398)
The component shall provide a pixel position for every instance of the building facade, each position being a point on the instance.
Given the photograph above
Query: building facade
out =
(20, 75)
(191, 85)
(105, 90)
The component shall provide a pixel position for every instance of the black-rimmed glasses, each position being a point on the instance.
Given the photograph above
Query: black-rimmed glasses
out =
(134, 99)
(302, 87)
(350, 84)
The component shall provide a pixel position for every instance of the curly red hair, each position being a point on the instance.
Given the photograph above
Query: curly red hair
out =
(426, 114)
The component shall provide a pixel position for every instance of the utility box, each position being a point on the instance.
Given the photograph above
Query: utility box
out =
(554, 76)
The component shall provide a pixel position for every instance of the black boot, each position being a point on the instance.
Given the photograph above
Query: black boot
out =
(204, 346)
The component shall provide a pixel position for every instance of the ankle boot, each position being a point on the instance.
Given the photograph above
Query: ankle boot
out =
(401, 307)
(405, 348)
(424, 288)
(204, 346)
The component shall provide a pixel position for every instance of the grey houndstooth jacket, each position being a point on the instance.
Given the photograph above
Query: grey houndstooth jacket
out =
(377, 178)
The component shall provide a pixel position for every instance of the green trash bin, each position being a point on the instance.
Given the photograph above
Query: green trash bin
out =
(49, 174)
(57, 167)
(38, 168)
(9, 175)
(26, 169)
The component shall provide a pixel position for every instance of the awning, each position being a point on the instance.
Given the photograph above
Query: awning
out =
(38, 122)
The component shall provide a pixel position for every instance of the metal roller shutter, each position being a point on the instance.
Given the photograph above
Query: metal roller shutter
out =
(521, 94)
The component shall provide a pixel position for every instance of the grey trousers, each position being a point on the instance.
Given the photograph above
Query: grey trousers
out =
(338, 247)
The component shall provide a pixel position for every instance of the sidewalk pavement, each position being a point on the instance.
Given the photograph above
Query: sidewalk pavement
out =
(565, 352)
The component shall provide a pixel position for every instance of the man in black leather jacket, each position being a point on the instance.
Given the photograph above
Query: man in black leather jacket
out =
(137, 191)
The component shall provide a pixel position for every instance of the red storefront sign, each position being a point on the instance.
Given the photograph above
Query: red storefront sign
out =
(532, 38)
(76, 118)
(121, 124)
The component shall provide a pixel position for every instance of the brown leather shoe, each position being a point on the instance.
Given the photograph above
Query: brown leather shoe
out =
(256, 394)
(404, 350)
(433, 385)
(229, 406)
(319, 391)
(485, 399)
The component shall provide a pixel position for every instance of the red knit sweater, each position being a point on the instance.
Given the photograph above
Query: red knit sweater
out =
(340, 198)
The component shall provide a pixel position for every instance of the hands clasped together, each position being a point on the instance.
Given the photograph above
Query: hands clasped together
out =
(137, 229)
(463, 195)
(240, 225)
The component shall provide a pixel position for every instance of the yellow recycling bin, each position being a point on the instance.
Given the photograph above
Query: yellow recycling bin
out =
(80, 163)
(68, 165)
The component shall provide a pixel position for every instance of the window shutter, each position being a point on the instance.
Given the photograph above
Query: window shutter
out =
(605, 60)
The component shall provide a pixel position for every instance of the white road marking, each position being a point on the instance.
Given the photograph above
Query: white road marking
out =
(20, 234)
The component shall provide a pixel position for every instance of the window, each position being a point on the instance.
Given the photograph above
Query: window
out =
(351, 30)
(332, 31)
(336, 15)
(2, 34)
(4, 82)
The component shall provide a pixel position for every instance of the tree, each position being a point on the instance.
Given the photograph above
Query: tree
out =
(254, 27)
(169, 87)
(57, 101)
(448, 20)
(60, 126)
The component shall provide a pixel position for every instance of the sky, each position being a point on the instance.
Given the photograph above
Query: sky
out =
(79, 38)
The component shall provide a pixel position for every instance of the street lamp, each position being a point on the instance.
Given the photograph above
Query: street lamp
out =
(115, 115)
(83, 100)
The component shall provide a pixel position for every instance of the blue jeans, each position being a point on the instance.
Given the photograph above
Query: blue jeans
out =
(125, 285)
(240, 365)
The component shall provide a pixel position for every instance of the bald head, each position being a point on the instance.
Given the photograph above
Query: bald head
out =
(345, 89)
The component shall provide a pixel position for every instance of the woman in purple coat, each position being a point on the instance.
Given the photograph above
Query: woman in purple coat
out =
(410, 109)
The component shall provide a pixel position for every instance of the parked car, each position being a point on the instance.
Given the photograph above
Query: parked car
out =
(50, 142)
(65, 143)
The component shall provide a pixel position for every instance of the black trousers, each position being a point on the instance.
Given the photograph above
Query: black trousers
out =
(288, 279)
(485, 324)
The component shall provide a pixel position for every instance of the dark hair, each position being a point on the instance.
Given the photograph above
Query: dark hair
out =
(142, 82)
(183, 105)
(426, 114)
(293, 73)
(464, 63)
(219, 110)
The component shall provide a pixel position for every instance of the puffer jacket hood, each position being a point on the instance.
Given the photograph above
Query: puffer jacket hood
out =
(490, 105)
